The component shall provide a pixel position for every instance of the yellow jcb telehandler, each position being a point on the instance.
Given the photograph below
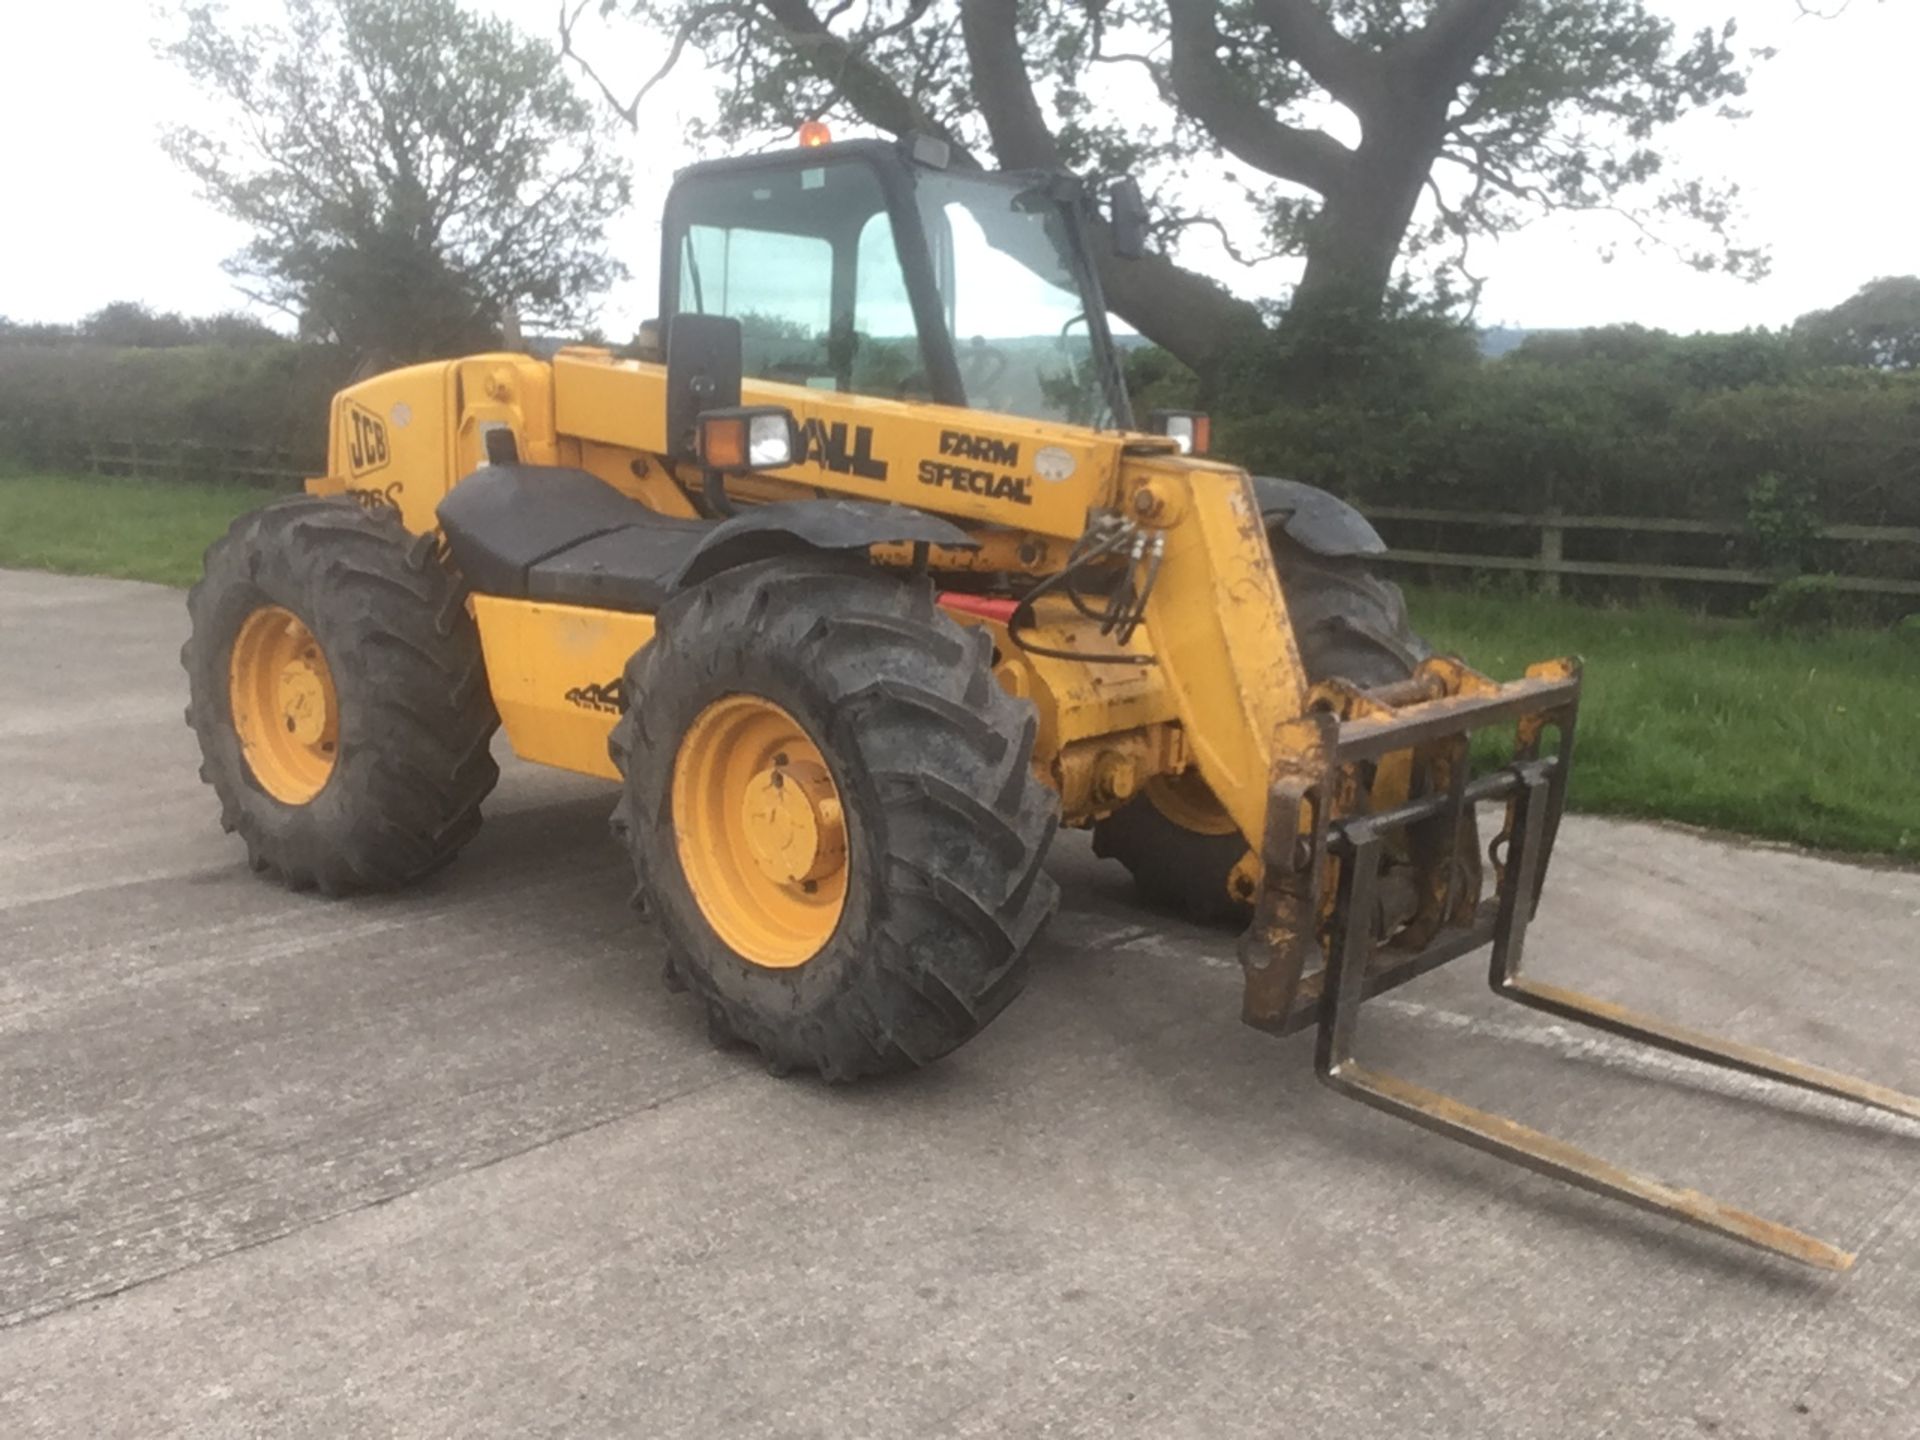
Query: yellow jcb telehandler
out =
(859, 590)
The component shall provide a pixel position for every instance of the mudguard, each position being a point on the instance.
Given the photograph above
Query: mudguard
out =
(1323, 523)
(793, 525)
(553, 533)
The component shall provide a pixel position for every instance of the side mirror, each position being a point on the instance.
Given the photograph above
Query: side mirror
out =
(1127, 213)
(703, 373)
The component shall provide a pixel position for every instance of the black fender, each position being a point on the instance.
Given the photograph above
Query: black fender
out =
(1315, 519)
(791, 526)
(547, 532)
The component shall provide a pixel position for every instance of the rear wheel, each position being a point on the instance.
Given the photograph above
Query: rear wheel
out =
(1176, 838)
(832, 813)
(339, 697)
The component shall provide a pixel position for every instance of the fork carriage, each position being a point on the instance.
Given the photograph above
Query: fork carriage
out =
(1314, 954)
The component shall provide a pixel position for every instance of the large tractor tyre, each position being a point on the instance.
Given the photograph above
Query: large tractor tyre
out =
(832, 814)
(339, 697)
(1175, 838)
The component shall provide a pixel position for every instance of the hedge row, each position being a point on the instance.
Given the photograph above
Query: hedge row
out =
(1595, 438)
(1748, 430)
(56, 400)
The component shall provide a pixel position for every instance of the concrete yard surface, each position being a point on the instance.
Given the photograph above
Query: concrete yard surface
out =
(453, 1162)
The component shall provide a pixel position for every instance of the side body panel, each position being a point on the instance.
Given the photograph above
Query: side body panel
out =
(399, 441)
(964, 463)
(556, 674)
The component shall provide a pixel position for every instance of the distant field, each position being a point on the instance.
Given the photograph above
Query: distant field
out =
(131, 529)
(1815, 741)
(1812, 740)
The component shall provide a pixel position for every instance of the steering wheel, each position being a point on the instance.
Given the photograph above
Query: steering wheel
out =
(982, 367)
(795, 372)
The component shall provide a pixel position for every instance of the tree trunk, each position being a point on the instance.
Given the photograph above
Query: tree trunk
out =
(1357, 236)
(1195, 319)
(1192, 317)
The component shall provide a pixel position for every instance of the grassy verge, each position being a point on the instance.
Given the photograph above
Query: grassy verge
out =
(130, 529)
(1813, 740)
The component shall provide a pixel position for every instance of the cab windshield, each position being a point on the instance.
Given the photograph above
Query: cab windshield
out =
(983, 303)
(1007, 269)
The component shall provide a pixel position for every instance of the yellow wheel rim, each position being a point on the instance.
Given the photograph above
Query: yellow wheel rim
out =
(1186, 800)
(760, 831)
(285, 709)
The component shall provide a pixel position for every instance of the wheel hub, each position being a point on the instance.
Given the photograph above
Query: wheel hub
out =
(1186, 800)
(760, 832)
(303, 701)
(791, 817)
(286, 712)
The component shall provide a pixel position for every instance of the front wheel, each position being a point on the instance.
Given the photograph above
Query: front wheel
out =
(832, 813)
(1176, 838)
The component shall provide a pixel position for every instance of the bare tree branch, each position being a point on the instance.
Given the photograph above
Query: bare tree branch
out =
(1227, 242)
(1350, 73)
(865, 86)
(1022, 139)
(1443, 51)
(1243, 127)
(630, 110)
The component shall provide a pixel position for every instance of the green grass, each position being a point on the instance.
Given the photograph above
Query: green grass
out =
(1811, 740)
(130, 529)
(1814, 741)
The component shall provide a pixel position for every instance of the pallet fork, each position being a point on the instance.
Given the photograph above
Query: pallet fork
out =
(1302, 913)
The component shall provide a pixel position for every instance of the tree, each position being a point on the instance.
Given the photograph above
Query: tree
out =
(28, 332)
(232, 328)
(127, 324)
(1878, 327)
(1494, 110)
(410, 172)
(130, 324)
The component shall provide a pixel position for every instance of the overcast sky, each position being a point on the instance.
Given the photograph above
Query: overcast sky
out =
(1826, 164)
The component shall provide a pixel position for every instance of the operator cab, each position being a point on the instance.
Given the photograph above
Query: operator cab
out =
(868, 267)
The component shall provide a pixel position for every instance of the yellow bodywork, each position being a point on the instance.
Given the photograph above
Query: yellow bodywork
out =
(1227, 673)
(556, 673)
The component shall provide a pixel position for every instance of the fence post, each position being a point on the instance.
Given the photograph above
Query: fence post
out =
(1552, 537)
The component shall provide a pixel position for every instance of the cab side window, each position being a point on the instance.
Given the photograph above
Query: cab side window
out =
(779, 287)
(806, 260)
(886, 351)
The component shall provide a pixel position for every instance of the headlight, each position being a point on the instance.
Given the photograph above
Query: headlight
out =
(748, 437)
(1191, 430)
(769, 440)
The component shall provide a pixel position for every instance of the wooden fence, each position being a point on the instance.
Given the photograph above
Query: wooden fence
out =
(267, 466)
(1451, 543)
(1546, 553)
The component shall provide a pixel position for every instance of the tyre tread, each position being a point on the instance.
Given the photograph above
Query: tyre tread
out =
(975, 823)
(398, 633)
